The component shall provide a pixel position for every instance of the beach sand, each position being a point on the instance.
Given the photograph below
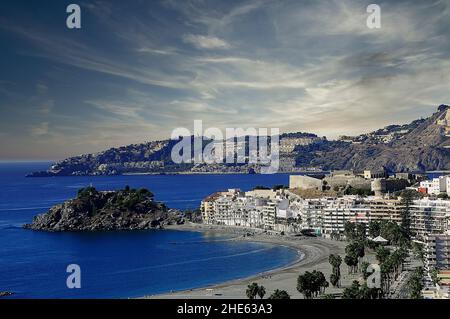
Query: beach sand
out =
(315, 250)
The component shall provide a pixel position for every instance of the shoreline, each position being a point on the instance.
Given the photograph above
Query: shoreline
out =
(312, 253)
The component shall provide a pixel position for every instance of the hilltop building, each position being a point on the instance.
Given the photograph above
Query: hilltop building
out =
(387, 185)
(371, 174)
(305, 182)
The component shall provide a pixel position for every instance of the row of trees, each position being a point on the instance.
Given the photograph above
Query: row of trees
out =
(358, 291)
(255, 290)
(311, 284)
(415, 284)
(354, 251)
(391, 264)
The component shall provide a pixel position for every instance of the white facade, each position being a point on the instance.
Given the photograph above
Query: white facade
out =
(430, 216)
(437, 185)
(269, 209)
(437, 251)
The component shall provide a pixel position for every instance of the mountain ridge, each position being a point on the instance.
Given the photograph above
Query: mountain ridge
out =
(420, 145)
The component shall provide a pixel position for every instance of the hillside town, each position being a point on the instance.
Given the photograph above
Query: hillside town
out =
(322, 205)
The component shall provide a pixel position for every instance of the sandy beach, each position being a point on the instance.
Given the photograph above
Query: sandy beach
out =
(315, 253)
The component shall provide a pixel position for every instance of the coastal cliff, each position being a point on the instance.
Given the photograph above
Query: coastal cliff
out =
(93, 210)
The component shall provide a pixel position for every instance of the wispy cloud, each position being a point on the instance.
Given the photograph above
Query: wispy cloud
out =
(205, 42)
(138, 70)
(39, 130)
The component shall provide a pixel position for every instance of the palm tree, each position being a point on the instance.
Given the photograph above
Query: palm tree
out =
(352, 263)
(261, 292)
(334, 280)
(415, 284)
(352, 292)
(252, 290)
(280, 294)
(364, 266)
(374, 228)
(310, 284)
(335, 261)
(305, 285)
(434, 276)
(406, 201)
(382, 254)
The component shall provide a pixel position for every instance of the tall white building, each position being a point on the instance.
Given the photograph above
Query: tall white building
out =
(430, 216)
(437, 251)
(437, 185)
(286, 211)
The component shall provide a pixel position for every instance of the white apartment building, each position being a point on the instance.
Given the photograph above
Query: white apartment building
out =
(437, 185)
(268, 209)
(437, 251)
(336, 213)
(430, 216)
(269, 214)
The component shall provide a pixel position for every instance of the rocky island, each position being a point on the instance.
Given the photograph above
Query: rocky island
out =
(93, 210)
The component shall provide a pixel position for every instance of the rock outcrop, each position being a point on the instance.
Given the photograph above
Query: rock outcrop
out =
(93, 210)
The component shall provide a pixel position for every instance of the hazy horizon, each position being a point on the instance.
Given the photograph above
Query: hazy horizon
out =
(137, 70)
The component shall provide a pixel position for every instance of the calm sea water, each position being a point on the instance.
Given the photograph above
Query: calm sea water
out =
(121, 264)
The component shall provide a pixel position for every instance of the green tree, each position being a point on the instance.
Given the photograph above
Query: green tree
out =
(349, 230)
(352, 262)
(357, 291)
(261, 292)
(252, 290)
(355, 249)
(443, 196)
(365, 273)
(86, 192)
(310, 284)
(434, 276)
(382, 253)
(374, 229)
(335, 261)
(407, 198)
(417, 249)
(334, 280)
(351, 292)
(280, 294)
(415, 284)
(360, 230)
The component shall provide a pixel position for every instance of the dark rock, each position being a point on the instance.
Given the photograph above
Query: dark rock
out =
(93, 210)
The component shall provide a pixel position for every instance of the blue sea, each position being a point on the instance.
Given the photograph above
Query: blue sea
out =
(121, 264)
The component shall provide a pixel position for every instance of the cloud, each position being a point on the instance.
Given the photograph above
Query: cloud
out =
(142, 69)
(156, 51)
(39, 130)
(47, 106)
(205, 42)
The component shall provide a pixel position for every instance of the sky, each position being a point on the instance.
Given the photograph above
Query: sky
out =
(136, 70)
